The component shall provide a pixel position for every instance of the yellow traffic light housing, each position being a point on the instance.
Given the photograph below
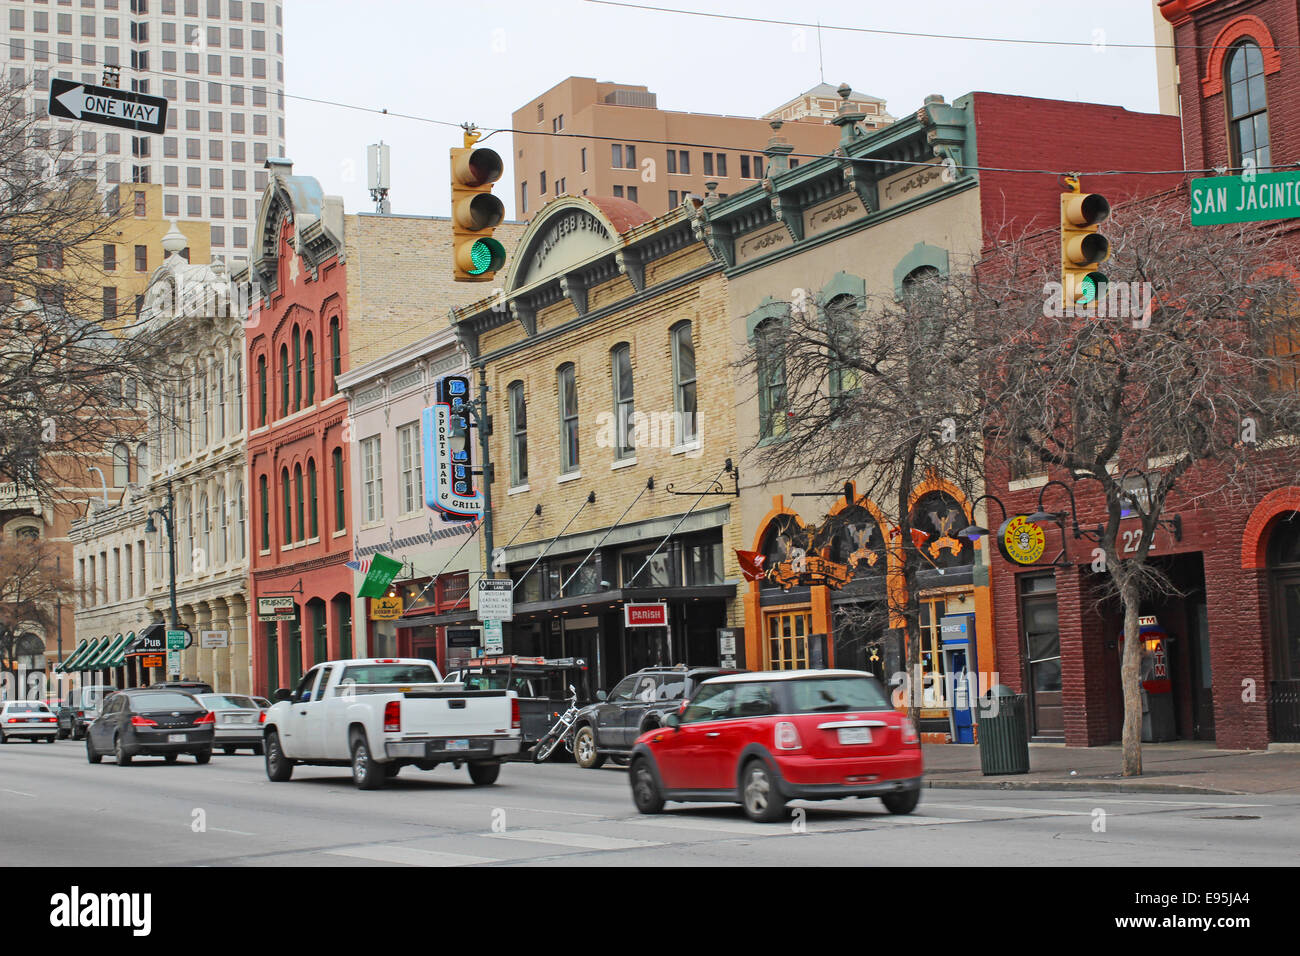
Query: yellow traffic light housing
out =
(1082, 246)
(475, 212)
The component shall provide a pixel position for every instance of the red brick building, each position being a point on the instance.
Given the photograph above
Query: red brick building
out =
(1234, 651)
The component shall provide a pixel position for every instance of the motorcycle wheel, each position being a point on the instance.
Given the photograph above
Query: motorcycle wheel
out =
(545, 747)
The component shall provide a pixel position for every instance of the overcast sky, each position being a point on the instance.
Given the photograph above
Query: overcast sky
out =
(480, 61)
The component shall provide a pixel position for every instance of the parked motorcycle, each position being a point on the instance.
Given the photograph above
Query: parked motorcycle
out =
(560, 732)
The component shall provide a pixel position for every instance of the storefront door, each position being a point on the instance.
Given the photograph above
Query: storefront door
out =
(1042, 644)
(787, 639)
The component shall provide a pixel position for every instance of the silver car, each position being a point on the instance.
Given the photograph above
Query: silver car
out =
(32, 719)
(239, 722)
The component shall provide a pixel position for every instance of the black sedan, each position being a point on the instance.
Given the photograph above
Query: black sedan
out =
(149, 722)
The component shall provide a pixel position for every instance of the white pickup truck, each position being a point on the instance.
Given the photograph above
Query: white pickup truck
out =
(379, 715)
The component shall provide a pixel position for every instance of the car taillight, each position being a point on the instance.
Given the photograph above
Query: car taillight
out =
(50, 720)
(261, 718)
(787, 736)
(514, 713)
(393, 717)
(81, 713)
(143, 722)
(910, 735)
(208, 718)
(12, 720)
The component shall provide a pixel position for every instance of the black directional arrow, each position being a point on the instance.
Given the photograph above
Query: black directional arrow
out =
(107, 106)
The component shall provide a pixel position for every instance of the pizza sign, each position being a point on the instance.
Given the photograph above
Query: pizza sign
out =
(1020, 540)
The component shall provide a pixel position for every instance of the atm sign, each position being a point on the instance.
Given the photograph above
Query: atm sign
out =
(645, 615)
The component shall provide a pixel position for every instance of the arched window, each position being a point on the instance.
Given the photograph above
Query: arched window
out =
(336, 354)
(1247, 105)
(187, 419)
(841, 313)
(219, 396)
(313, 528)
(339, 512)
(620, 362)
(771, 379)
(297, 496)
(205, 525)
(288, 507)
(284, 380)
(188, 533)
(518, 435)
(237, 368)
(223, 527)
(241, 525)
(684, 395)
(297, 369)
(261, 390)
(568, 391)
(264, 501)
(201, 392)
(142, 462)
(310, 361)
(121, 465)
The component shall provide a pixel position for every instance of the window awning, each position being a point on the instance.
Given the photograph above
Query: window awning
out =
(63, 668)
(75, 662)
(107, 651)
(116, 656)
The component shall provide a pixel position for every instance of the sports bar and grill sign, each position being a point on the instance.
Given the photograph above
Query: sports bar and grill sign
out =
(645, 615)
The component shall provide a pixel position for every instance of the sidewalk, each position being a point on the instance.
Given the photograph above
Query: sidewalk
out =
(1184, 767)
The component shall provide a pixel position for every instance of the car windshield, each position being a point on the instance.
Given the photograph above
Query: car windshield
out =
(25, 707)
(227, 700)
(390, 674)
(163, 700)
(835, 694)
(94, 696)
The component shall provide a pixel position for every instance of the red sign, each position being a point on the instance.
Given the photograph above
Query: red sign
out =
(645, 615)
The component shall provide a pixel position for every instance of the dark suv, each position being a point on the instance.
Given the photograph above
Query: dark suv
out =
(639, 702)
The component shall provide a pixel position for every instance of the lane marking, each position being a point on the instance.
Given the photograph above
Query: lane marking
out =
(567, 813)
(581, 841)
(1000, 809)
(20, 793)
(696, 824)
(410, 856)
(1106, 797)
(224, 830)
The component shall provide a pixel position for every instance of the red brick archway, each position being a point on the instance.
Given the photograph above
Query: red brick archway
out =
(1242, 28)
(1254, 540)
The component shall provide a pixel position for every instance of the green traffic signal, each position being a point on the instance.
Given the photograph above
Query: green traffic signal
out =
(1091, 288)
(486, 255)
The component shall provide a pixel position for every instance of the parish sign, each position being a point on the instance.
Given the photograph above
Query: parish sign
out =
(1245, 198)
(108, 106)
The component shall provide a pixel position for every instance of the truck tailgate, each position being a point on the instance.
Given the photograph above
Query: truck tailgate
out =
(456, 713)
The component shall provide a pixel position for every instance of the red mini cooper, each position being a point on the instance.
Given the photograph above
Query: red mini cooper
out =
(762, 738)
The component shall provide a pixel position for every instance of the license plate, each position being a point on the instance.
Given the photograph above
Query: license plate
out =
(176, 738)
(239, 719)
(855, 735)
(458, 745)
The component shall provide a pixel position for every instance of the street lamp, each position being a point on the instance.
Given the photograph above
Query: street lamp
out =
(169, 518)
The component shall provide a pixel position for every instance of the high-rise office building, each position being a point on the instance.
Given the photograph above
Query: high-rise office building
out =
(220, 65)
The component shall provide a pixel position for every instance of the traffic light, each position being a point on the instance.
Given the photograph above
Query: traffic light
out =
(1082, 246)
(475, 212)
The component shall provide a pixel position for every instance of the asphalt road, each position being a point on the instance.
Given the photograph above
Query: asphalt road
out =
(58, 810)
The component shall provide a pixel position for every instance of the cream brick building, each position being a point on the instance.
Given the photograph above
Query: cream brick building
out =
(607, 361)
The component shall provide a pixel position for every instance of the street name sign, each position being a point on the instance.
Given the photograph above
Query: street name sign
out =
(107, 106)
(496, 599)
(1260, 197)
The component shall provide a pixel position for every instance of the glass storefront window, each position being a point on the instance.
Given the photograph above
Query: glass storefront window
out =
(414, 596)
(586, 581)
(704, 563)
(658, 574)
(932, 694)
(528, 588)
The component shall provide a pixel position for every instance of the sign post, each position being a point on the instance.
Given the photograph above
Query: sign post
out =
(176, 642)
(496, 599)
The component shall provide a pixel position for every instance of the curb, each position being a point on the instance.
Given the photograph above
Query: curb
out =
(1099, 786)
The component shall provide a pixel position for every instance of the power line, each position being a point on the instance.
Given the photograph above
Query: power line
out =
(974, 38)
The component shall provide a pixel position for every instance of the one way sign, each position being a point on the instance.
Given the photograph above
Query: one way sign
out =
(107, 106)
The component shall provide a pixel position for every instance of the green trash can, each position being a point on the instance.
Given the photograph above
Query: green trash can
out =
(1004, 732)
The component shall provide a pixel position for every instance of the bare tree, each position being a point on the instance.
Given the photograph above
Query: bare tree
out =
(881, 390)
(70, 360)
(31, 587)
(1182, 377)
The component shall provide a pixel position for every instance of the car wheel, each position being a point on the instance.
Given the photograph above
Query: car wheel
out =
(91, 756)
(759, 793)
(78, 733)
(904, 802)
(170, 758)
(49, 740)
(203, 756)
(585, 754)
(645, 791)
(279, 768)
(3, 738)
(123, 758)
(227, 750)
(367, 774)
(484, 773)
(62, 734)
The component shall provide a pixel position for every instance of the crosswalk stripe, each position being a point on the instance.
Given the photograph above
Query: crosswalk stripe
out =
(674, 822)
(583, 841)
(410, 856)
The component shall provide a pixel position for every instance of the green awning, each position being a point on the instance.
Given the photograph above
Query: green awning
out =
(116, 657)
(73, 663)
(106, 649)
(63, 668)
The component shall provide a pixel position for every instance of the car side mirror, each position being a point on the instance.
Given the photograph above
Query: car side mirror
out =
(283, 693)
(673, 721)
(601, 695)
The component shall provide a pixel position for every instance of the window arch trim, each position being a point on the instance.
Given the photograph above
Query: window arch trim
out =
(1245, 27)
(921, 254)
